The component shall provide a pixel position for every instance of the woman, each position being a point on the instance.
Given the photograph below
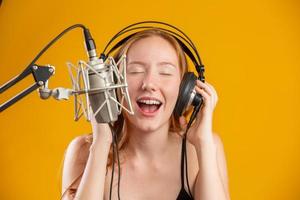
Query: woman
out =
(150, 143)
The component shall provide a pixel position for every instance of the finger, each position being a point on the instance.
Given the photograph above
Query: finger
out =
(212, 93)
(182, 122)
(204, 86)
(212, 89)
(215, 94)
(205, 95)
(92, 118)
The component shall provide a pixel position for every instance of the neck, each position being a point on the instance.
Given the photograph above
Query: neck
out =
(148, 144)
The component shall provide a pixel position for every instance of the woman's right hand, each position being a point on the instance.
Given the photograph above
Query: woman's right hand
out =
(101, 132)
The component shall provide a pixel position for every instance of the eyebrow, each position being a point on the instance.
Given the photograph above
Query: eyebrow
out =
(144, 64)
(167, 63)
(137, 62)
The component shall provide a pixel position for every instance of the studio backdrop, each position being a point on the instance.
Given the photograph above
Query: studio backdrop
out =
(251, 54)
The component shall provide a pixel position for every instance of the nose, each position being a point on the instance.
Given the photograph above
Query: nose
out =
(149, 82)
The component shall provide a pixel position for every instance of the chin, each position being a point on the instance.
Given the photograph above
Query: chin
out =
(148, 128)
(151, 125)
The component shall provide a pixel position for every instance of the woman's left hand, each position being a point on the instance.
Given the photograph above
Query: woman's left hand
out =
(201, 129)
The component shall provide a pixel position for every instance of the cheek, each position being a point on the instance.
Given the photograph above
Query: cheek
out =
(171, 90)
(133, 84)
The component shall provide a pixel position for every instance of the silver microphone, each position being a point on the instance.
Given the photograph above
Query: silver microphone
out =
(95, 86)
(101, 77)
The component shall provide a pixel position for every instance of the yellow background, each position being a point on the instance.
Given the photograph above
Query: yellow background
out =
(251, 53)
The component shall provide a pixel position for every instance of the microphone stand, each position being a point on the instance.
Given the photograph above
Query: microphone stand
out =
(41, 74)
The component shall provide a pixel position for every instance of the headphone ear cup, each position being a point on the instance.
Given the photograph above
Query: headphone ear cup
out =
(186, 88)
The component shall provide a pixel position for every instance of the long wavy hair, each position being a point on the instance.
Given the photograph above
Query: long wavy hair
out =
(119, 126)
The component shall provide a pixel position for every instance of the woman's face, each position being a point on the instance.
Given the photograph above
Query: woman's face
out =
(153, 77)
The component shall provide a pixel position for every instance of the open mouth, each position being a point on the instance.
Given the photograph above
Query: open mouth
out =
(149, 105)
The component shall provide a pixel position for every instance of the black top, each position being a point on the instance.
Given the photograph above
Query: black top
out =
(183, 194)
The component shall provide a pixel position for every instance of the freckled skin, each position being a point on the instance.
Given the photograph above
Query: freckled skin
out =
(151, 158)
(151, 51)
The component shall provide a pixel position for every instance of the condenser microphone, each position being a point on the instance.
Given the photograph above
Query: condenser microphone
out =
(101, 85)
(95, 85)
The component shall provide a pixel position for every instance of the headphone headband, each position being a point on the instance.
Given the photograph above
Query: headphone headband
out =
(180, 39)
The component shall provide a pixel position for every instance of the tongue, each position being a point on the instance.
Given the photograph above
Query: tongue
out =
(149, 108)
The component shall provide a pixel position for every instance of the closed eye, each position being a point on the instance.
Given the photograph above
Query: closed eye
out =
(166, 73)
(136, 70)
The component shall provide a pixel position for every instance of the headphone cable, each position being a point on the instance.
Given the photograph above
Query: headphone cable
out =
(192, 118)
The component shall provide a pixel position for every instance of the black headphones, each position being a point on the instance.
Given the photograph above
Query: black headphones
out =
(187, 95)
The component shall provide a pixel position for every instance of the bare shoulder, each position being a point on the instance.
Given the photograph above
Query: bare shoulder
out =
(75, 159)
(221, 162)
(78, 149)
(194, 163)
(220, 154)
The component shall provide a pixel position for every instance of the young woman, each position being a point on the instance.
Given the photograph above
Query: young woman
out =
(150, 141)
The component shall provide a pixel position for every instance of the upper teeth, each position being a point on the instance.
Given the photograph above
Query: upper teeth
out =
(149, 101)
